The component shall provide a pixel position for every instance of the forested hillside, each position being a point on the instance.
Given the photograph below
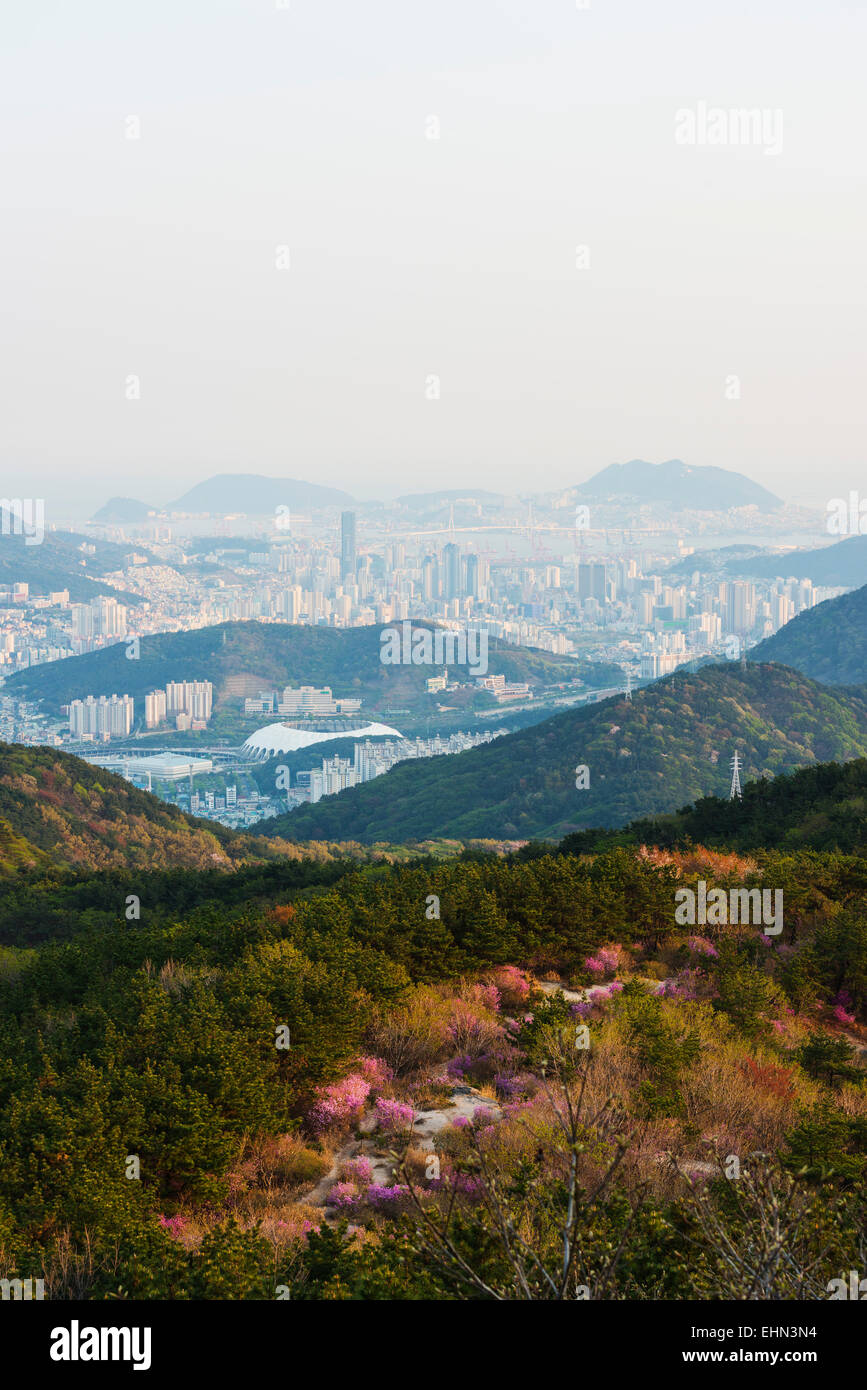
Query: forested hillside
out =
(57, 811)
(823, 808)
(671, 743)
(274, 655)
(828, 642)
(298, 1091)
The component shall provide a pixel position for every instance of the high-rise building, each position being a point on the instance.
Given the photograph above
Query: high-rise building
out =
(347, 545)
(155, 708)
(451, 571)
(109, 618)
(193, 698)
(591, 582)
(82, 620)
(430, 578)
(103, 618)
(740, 606)
(472, 584)
(101, 717)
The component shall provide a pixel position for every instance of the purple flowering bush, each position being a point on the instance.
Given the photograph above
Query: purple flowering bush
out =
(513, 985)
(685, 985)
(393, 1116)
(173, 1224)
(387, 1200)
(344, 1196)
(700, 946)
(340, 1102)
(607, 961)
(358, 1171)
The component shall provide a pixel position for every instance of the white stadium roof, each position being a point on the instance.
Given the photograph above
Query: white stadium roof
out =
(282, 738)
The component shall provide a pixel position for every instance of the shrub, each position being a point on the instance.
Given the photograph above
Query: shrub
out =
(778, 1081)
(470, 1031)
(662, 1053)
(607, 961)
(513, 985)
(357, 1170)
(374, 1070)
(685, 985)
(415, 1035)
(483, 996)
(828, 1059)
(297, 1165)
(343, 1195)
(387, 1200)
(393, 1116)
(340, 1102)
(746, 994)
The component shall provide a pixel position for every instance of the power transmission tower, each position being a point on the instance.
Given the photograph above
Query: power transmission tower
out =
(736, 778)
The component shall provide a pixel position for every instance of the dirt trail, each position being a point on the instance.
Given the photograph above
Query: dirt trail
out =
(580, 996)
(465, 1101)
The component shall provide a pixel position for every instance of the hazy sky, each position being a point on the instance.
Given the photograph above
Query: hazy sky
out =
(306, 127)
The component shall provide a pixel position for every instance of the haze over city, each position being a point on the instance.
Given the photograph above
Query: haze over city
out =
(582, 286)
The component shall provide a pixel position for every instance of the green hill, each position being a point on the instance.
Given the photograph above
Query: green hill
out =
(843, 563)
(828, 642)
(821, 808)
(251, 656)
(58, 810)
(671, 742)
(58, 562)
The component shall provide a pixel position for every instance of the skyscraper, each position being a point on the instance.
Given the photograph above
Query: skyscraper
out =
(347, 545)
(451, 571)
(430, 578)
(591, 582)
(472, 585)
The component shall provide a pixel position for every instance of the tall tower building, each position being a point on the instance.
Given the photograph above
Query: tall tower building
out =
(472, 585)
(347, 545)
(430, 578)
(451, 571)
(591, 582)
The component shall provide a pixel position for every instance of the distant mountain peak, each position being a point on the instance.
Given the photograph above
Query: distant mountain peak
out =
(124, 509)
(682, 485)
(256, 495)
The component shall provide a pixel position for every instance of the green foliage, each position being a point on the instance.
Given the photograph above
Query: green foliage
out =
(745, 993)
(823, 808)
(828, 1143)
(828, 642)
(661, 1050)
(156, 1038)
(828, 1059)
(280, 654)
(838, 953)
(647, 755)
